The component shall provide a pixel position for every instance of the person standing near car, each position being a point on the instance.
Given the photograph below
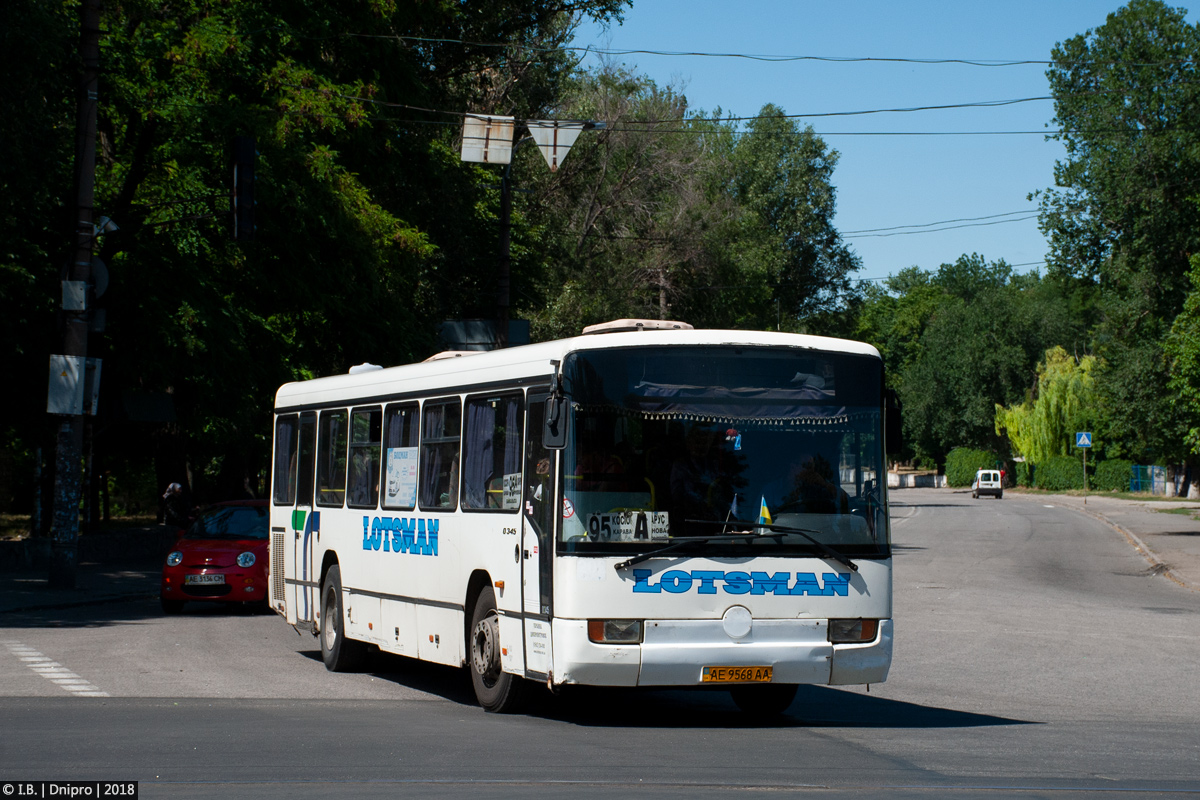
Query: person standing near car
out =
(175, 508)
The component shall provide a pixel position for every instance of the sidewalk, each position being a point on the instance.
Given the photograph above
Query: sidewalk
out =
(114, 565)
(94, 584)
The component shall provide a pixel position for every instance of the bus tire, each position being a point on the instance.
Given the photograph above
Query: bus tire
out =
(339, 653)
(497, 691)
(770, 700)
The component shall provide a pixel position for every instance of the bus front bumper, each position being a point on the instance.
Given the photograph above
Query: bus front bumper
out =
(675, 653)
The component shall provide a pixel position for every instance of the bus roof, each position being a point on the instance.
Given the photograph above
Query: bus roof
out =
(525, 364)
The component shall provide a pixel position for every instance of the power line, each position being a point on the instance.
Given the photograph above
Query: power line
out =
(942, 222)
(1032, 215)
(808, 115)
(971, 62)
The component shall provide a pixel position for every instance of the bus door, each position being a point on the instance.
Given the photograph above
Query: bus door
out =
(305, 525)
(537, 540)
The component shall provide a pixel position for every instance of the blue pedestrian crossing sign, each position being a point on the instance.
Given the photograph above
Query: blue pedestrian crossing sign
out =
(1083, 439)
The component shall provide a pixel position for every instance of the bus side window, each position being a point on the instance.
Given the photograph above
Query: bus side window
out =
(365, 427)
(400, 457)
(331, 458)
(441, 428)
(491, 470)
(284, 475)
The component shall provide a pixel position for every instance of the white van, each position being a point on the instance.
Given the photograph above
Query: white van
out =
(987, 481)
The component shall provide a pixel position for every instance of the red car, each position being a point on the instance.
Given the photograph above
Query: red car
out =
(221, 557)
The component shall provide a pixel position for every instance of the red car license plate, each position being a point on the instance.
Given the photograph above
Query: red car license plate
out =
(204, 579)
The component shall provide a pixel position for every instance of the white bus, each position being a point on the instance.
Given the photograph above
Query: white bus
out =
(642, 505)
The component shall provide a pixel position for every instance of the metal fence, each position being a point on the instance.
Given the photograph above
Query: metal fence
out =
(1148, 479)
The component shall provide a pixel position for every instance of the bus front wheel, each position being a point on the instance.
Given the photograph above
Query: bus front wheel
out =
(496, 690)
(339, 653)
(769, 700)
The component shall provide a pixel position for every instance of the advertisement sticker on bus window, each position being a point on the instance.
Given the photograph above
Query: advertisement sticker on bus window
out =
(628, 526)
(512, 491)
(401, 477)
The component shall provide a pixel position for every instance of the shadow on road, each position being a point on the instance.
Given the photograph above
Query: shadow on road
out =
(607, 707)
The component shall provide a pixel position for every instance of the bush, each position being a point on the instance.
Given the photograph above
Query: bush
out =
(1060, 473)
(963, 462)
(1112, 475)
(1025, 473)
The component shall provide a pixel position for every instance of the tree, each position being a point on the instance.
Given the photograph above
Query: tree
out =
(1062, 403)
(1124, 216)
(1183, 349)
(982, 338)
(370, 230)
(670, 213)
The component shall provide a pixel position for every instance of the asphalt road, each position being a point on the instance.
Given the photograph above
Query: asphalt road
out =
(1036, 656)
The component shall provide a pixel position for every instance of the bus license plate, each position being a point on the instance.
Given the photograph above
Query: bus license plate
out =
(736, 675)
(204, 579)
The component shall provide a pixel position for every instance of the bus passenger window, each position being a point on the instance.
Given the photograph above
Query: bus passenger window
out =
(441, 427)
(491, 470)
(400, 457)
(284, 474)
(365, 428)
(331, 458)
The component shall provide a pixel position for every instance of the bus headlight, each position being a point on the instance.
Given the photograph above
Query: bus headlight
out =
(852, 631)
(615, 631)
(246, 559)
(174, 558)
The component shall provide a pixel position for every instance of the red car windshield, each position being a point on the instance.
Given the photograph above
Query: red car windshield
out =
(231, 522)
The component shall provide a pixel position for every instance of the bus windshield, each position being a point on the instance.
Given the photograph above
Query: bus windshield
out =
(668, 442)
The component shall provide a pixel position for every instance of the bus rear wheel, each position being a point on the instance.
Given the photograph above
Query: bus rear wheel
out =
(770, 700)
(497, 691)
(339, 653)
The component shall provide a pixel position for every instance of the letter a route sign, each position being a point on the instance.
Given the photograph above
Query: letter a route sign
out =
(1083, 439)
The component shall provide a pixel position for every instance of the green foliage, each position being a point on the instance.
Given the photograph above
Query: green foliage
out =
(370, 230)
(682, 216)
(963, 462)
(978, 347)
(1025, 473)
(1112, 475)
(1183, 349)
(1059, 474)
(1123, 217)
(1064, 403)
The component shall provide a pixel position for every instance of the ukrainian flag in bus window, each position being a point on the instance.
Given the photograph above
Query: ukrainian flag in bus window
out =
(764, 513)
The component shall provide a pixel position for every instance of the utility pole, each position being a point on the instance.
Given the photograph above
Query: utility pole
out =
(67, 476)
(505, 267)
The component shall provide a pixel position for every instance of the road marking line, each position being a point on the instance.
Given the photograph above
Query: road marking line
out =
(52, 671)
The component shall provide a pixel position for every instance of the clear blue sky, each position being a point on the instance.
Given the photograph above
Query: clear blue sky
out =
(885, 181)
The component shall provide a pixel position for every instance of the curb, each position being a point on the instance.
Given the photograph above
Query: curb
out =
(1157, 565)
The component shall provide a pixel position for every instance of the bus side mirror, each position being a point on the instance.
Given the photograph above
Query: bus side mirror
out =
(554, 433)
(892, 422)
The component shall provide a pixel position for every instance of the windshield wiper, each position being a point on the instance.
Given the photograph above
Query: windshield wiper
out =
(781, 530)
(682, 541)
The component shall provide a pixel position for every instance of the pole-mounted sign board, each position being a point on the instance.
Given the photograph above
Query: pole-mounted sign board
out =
(1083, 439)
(554, 138)
(488, 139)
